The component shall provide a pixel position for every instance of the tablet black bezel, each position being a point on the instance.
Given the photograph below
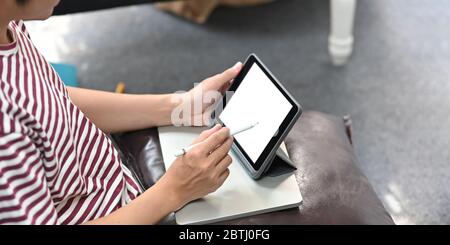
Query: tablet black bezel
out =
(252, 59)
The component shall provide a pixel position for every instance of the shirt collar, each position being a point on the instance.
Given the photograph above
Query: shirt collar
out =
(11, 48)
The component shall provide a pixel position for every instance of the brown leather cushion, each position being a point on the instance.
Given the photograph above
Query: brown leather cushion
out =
(334, 189)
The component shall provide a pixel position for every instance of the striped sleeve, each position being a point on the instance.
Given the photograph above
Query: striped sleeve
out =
(24, 195)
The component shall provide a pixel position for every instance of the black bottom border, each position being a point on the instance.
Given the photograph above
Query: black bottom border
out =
(260, 234)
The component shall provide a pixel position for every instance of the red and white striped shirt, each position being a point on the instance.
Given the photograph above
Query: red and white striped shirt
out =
(56, 166)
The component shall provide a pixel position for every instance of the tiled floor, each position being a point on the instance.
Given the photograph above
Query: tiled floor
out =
(396, 87)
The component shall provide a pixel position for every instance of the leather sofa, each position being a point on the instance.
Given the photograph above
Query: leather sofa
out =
(334, 189)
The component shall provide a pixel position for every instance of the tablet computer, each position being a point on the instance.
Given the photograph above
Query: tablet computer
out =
(257, 97)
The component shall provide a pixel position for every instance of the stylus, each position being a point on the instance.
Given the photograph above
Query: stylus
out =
(232, 133)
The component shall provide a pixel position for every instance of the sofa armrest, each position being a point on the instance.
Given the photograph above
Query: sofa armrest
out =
(334, 189)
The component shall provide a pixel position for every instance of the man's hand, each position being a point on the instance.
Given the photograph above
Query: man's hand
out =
(201, 170)
(195, 107)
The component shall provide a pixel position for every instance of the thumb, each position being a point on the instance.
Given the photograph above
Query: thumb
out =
(232, 72)
(226, 76)
(205, 134)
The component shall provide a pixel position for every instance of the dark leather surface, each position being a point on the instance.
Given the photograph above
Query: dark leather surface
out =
(334, 189)
(141, 152)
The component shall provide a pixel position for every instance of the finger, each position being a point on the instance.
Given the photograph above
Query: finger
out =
(222, 151)
(205, 134)
(215, 140)
(207, 117)
(223, 177)
(225, 87)
(224, 78)
(224, 164)
(230, 73)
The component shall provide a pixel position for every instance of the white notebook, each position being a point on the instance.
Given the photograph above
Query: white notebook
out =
(239, 196)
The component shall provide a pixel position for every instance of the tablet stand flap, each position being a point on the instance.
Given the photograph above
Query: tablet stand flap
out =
(280, 165)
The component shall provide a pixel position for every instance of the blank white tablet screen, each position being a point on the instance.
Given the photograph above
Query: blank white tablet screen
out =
(256, 99)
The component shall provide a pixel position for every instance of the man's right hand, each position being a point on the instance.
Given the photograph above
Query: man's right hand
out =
(202, 170)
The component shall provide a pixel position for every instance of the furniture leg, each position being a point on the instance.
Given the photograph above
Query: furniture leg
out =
(340, 43)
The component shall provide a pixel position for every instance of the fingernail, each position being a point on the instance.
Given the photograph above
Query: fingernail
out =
(237, 65)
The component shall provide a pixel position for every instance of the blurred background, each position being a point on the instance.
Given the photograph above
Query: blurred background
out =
(395, 86)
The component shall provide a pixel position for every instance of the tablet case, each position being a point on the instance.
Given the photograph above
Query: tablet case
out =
(276, 162)
(281, 164)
